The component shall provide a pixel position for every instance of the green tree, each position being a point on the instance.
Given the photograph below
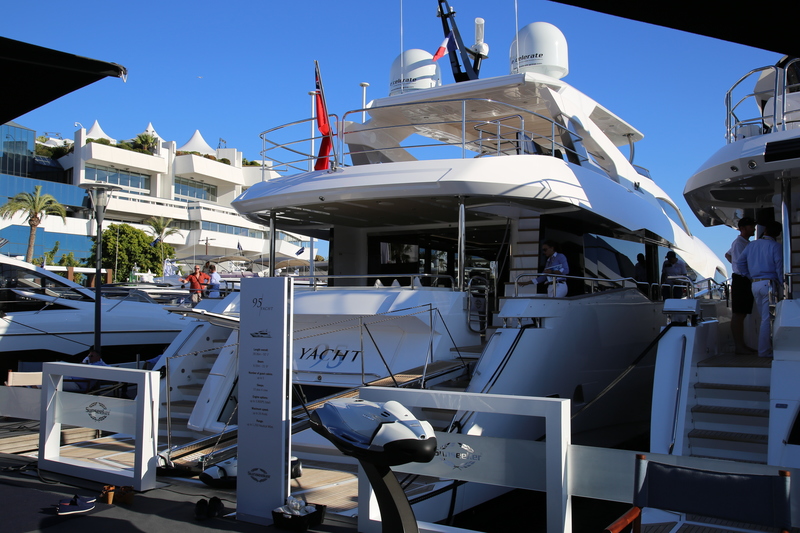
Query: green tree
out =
(68, 260)
(125, 246)
(161, 229)
(49, 257)
(146, 141)
(35, 206)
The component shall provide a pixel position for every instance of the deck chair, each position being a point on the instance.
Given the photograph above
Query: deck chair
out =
(749, 498)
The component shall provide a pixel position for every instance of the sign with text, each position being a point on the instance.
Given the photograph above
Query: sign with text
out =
(265, 373)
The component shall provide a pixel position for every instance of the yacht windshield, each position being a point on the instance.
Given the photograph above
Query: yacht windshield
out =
(20, 286)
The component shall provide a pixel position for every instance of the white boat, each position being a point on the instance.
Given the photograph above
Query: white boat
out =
(436, 209)
(46, 317)
(708, 402)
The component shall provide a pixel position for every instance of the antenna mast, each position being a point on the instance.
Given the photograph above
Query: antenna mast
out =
(478, 52)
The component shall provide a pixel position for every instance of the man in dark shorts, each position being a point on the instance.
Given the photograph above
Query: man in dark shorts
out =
(741, 295)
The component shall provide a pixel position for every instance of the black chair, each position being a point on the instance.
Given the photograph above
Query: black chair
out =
(749, 498)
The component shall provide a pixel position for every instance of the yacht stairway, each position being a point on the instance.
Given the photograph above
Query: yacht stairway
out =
(730, 419)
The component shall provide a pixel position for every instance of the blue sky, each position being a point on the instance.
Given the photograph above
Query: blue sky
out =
(234, 69)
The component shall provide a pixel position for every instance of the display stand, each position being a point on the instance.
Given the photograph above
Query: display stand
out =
(265, 370)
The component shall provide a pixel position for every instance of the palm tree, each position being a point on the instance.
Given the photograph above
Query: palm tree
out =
(36, 206)
(146, 140)
(161, 230)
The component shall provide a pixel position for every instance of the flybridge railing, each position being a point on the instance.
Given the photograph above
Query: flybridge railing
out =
(466, 133)
(781, 111)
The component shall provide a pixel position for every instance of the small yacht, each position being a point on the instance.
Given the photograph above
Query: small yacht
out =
(46, 317)
(709, 402)
(441, 204)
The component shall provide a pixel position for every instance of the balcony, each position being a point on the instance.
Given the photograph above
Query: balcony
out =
(110, 156)
(199, 168)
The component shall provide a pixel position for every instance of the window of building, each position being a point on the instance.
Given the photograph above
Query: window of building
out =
(232, 230)
(187, 190)
(131, 182)
(16, 150)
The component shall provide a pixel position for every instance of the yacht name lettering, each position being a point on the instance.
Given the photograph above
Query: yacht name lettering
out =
(329, 354)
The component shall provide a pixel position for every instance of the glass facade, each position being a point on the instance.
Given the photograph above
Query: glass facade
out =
(16, 150)
(233, 230)
(131, 182)
(187, 190)
(69, 196)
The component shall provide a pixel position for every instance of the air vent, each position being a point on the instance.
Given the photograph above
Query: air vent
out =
(780, 150)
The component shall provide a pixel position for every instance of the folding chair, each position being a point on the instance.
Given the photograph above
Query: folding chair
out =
(748, 498)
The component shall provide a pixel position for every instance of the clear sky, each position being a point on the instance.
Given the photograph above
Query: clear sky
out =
(234, 69)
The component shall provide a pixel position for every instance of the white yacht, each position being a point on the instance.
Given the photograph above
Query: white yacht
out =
(738, 413)
(46, 317)
(436, 209)
(742, 408)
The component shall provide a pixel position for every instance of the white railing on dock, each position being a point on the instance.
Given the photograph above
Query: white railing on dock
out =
(137, 417)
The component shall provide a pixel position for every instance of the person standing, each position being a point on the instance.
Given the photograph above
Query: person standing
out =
(762, 262)
(214, 282)
(741, 292)
(670, 287)
(556, 264)
(196, 281)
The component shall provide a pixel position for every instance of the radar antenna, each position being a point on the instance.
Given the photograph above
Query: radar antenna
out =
(478, 52)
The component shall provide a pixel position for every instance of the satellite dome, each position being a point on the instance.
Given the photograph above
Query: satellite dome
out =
(542, 49)
(414, 70)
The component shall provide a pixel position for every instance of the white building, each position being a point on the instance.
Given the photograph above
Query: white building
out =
(193, 184)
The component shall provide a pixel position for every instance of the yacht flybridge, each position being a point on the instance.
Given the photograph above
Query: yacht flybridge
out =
(436, 206)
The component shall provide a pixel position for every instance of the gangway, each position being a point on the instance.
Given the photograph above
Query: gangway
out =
(194, 457)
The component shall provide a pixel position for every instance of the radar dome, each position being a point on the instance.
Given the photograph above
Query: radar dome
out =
(414, 70)
(542, 48)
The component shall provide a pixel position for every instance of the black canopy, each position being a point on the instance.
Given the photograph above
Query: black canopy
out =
(767, 24)
(33, 76)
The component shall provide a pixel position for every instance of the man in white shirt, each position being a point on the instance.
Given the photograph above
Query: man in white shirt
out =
(741, 294)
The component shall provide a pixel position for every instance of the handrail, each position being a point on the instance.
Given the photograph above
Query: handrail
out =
(479, 289)
(461, 122)
(595, 281)
(274, 145)
(677, 394)
(779, 91)
(713, 285)
(412, 285)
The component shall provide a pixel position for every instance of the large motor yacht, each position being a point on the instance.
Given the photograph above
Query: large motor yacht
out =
(436, 201)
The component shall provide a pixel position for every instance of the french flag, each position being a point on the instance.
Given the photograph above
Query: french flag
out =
(448, 45)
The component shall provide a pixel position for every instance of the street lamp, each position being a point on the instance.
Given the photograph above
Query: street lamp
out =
(99, 195)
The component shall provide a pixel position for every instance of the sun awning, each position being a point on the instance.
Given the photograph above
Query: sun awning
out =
(35, 75)
(756, 27)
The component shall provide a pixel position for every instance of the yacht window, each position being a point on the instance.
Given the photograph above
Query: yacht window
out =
(18, 287)
(672, 211)
(610, 258)
(393, 253)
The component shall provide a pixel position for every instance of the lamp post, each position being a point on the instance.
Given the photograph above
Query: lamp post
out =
(99, 195)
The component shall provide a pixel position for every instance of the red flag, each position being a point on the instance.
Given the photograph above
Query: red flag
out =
(323, 125)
